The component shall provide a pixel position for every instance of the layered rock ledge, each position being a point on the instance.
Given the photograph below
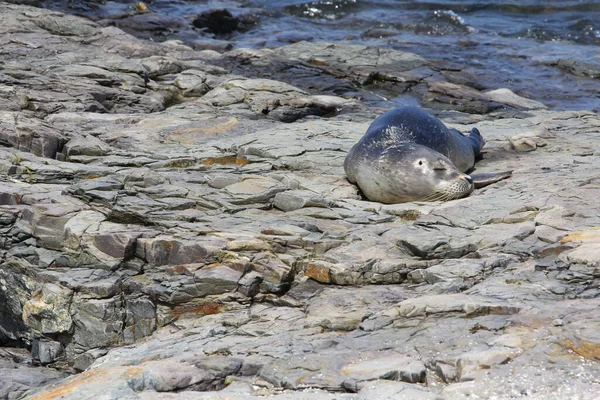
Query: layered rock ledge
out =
(174, 228)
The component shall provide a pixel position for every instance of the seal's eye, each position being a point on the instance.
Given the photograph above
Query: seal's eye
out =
(420, 162)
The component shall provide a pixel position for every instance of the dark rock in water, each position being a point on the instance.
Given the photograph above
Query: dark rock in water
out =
(150, 23)
(212, 44)
(590, 69)
(34, 3)
(380, 33)
(294, 37)
(217, 21)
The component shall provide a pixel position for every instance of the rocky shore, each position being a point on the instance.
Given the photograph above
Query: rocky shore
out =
(176, 223)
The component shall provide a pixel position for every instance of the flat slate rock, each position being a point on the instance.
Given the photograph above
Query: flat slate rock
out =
(176, 224)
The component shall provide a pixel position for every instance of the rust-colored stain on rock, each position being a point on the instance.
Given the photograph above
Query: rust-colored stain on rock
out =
(181, 163)
(191, 134)
(71, 385)
(318, 273)
(586, 235)
(178, 270)
(410, 215)
(406, 215)
(585, 349)
(225, 160)
(93, 376)
(208, 308)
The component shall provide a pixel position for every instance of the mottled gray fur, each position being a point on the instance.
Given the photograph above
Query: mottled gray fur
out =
(408, 155)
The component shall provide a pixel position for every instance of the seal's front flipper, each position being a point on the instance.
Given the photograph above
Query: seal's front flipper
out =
(482, 180)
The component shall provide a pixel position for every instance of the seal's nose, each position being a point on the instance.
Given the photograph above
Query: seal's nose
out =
(469, 179)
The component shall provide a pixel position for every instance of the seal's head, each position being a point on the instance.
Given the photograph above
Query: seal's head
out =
(411, 172)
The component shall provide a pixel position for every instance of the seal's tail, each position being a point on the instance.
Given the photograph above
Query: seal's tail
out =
(477, 139)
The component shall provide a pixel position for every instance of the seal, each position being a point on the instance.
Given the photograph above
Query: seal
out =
(408, 154)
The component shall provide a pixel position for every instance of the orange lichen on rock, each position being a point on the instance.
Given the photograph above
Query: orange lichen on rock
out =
(90, 377)
(208, 308)
(585, 349)
(318, 272)
(225, 160)
(585, 235)
(182, 269)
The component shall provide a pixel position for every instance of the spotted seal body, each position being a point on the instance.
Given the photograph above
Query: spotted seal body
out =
(409, 155)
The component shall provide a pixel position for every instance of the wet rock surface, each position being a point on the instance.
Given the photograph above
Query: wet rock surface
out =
(175, 227)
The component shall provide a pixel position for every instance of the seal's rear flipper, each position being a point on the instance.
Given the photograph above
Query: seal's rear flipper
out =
(477, 141)
(482, 180)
